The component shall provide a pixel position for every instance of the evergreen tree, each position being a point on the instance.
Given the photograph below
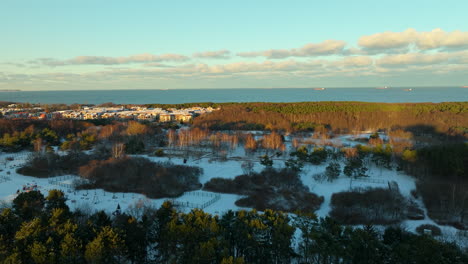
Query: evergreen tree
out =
(28, 205)
(354, 168)
(56, 200)
(266, 161)
(107, 247)
(332, 171)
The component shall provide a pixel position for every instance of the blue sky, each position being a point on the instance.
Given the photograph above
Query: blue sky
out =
(48, 45)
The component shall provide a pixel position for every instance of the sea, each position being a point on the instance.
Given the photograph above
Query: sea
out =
(175, 96)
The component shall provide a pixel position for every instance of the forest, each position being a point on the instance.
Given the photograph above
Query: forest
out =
(341, 117)
(38, 229)
(278, 147)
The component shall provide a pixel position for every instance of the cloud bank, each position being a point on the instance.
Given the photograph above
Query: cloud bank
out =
(435, 39)
(381, 55)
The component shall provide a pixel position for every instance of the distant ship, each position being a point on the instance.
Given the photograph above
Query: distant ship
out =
(408, 90)
(466, 86)
(382, 88)
(319, 89)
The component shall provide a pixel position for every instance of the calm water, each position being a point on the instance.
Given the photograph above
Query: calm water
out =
(432, 94)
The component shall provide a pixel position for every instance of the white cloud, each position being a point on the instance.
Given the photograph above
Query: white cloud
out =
(103, 60)
(423, 59)
(353, 61)
(436, 39)
(327, 47)
(219, 54)
(388, 40)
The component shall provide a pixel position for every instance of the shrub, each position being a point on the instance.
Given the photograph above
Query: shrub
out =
(319, 177)
(48, 164)
(156, 180)
(333, 171)
(270, 189)
(266, 161)
(221, 185)
(159, 153)
(368, 206)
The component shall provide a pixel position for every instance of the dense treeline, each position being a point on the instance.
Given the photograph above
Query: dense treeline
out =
(184, 105)
(40, 229)
(75, 135)
(442, 172)
(341, 117)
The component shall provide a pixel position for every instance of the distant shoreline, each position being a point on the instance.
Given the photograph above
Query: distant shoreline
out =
(173, 96)
(8, 90)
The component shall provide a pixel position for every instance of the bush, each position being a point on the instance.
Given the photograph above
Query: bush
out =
(221, 185)
(284, 200)
(140, 175)
(435, 230)
(319, 177)
(333, 171)
(270, 189)
(48, 164)
(159, 153)
(368, 206)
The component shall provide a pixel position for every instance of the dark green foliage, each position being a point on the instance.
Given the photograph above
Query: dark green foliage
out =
(134, 146)
(318, 156)
(55, 200)
(28, 205)
(266, 161)
(184, 105)
(294, 164)
(302, 153)
(165, 235)
(354, 168)
(332, 171)
(159, 153)
(49, 136)
(382, 156)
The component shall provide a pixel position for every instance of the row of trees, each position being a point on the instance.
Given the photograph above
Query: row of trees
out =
(73, 135)
(341, 117)
(44, 230)
(442, 172)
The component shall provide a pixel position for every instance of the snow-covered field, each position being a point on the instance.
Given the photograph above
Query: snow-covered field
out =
(213, 203)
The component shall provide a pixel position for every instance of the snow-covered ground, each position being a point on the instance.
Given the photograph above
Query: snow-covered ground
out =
(213, 203)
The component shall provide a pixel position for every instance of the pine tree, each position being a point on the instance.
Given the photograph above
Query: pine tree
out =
(332, 171)
(107, 247)
(27, 205)
(55, 200)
